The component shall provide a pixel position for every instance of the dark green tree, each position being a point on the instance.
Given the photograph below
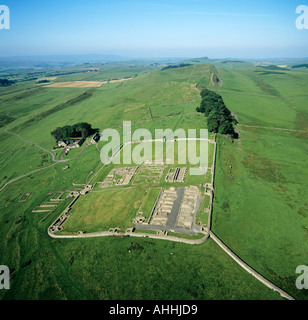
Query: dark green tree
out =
(81, 129)
(219, 117)
(57, 134)
(213, 121)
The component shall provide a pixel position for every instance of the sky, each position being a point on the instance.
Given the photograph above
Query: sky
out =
(155, 28)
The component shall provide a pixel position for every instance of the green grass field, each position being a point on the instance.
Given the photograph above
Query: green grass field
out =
(108, 209)
(260, 205)
(104, 208)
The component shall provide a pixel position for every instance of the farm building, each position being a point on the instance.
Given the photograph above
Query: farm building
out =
(75, 143)
(95, 138)
(71, 143)
(62, 144)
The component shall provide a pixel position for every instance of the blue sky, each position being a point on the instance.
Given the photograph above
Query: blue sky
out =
(155, 28)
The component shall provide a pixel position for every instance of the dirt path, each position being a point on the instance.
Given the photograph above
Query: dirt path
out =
(38, 146)
(65, 160)
(25, 175)
(212, 81)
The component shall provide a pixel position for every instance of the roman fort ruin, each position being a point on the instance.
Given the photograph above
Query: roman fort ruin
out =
(173, 212)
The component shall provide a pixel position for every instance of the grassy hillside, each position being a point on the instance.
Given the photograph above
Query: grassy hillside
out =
(260, 207)
(264, 175)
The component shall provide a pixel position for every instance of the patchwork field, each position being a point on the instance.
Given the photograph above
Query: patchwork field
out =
(76, 84)
(83, 84)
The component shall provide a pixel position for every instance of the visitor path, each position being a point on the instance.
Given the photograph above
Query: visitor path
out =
(40, 169)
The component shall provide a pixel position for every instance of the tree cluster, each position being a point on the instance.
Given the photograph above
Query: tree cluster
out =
(82, 129)
(6, 82)
(300, 66)
(43, 81)
(182, 65)
(219, 117)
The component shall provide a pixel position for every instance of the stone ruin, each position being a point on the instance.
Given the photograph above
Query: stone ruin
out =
(58, 224)
(163, 207)
(139, 220)
(188, 207)
(86, 189)
(176, 175)
(24, 197)
(119, 176)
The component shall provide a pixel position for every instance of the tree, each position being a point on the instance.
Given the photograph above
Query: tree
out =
(219, 117)
(67, 132)
(226, 128)
(6, 82)
(213, 121)
(82, 129)
(57, 134)
(204, 93)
